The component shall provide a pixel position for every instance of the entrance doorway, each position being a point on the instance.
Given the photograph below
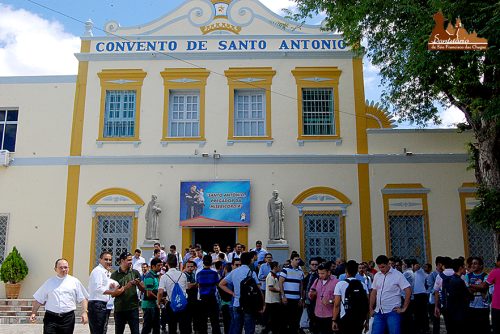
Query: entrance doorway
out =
(209, 236)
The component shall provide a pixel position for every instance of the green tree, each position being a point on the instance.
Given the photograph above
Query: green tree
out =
(417, 80)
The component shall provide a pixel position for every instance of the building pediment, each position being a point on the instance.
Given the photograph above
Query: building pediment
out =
(219, 17)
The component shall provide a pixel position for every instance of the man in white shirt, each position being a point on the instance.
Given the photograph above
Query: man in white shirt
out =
(216, 252)
(100, 294)
(137, 260)
(385, 299)
(165, 287)
(163, 255)
(60, 294)
(236, 253)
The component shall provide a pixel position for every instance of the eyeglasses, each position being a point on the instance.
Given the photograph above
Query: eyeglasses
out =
(313, 264)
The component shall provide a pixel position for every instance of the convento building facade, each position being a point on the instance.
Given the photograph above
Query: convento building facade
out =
(222, 95)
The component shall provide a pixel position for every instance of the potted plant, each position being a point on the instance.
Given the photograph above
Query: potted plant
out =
(13, 271)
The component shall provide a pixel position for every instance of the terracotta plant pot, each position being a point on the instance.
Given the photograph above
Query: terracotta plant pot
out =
(12, 290)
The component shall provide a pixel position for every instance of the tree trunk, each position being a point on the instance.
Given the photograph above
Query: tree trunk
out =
(487, 165)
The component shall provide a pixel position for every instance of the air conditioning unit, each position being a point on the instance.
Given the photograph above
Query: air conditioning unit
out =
(5, 158)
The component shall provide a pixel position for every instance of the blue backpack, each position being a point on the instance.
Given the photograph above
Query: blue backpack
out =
(178, 300)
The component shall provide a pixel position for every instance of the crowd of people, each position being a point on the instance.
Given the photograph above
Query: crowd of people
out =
(246, 288)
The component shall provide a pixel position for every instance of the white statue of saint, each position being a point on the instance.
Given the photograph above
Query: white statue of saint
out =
(276, 213)
(152, 219)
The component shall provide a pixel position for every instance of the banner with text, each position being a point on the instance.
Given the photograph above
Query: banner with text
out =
(214, 203)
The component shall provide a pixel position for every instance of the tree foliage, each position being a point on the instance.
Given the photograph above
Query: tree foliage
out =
(14, 269)
(417, 80)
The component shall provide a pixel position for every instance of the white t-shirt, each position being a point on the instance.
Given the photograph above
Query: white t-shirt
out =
(137, 263)
(340, 291)
(272, 296)
(60, 295)
(167, 284)
(99, 283)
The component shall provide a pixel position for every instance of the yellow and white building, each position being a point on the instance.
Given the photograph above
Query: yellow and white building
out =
(222, 90)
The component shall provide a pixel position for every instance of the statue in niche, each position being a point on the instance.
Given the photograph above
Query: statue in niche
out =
(276, 213)
(152, 219)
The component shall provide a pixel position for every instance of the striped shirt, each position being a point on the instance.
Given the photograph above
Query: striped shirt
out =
(293, 280)
(207, 280)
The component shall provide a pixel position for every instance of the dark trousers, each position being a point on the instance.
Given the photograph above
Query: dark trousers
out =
(151, 322)
(293, 313)
(348, 326)
(227, 315)
(479, 320)
(324, 325)
(209, 309)
(454, 326)
(495, 319)
(163, 318)
(54, 323)
(436, 321)
(420, 312)
(313, 327)
(407, 323)
(130, 317)
(273, 311)
(178, 318)
(98, 317)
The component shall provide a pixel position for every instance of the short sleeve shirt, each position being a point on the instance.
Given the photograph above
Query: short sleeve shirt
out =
(60, 295)
(272, 296)
(494, 278)
(128, 299)
(340, 289)
(150, 284)
(235, 277)
(389, 287)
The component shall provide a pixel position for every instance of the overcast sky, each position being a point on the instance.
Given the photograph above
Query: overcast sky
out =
(41, 41)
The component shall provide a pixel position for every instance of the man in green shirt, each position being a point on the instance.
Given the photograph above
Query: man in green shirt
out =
(126, 301)
(149, 306)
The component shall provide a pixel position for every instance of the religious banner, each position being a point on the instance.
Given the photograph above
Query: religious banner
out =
(215, 203)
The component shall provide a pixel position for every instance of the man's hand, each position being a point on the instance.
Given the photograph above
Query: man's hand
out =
(372, 313)
(367, 326)
(85, 318)
(335, 326)
(284, 300)
(301, 303)
(437, 312)
(33, 318)
(399, 310)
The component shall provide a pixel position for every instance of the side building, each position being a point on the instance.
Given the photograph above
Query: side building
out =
(235, 100)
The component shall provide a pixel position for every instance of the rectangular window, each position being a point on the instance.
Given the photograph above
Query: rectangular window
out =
(249, 113)
(323, 236)
(184, 114)
(407, 236)
(8, 129)
(4, 223)
(114, 235)
(119, 118)
(317, 111)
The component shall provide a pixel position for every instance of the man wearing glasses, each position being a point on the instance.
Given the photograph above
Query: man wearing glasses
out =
(99, 294)
(126, 301)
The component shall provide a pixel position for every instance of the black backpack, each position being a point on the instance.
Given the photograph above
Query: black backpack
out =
(250, 295)
(355, 301)
(444, 293)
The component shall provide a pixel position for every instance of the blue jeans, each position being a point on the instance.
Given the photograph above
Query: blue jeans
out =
(391, 321)
(242, 320)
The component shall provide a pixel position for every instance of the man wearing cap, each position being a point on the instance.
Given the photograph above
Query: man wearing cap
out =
(126, 301)
(60, 294)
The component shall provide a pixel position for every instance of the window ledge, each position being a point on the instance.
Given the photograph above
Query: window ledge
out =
(100, 143)
(301, 142)
(165, 143)
(231, 142)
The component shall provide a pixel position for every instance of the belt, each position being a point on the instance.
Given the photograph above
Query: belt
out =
(97, 302)
(60, 315)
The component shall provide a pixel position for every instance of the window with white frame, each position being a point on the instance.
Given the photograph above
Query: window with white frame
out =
(184, 113)
(119, 117)
(318, 111)
(8, 129)
(4, 223)
(249, 113)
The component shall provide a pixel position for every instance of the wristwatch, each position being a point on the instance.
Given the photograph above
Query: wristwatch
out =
(330, 301)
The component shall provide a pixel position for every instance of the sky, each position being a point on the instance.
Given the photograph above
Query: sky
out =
(53, 28)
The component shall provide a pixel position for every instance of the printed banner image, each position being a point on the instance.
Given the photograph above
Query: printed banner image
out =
(214, 203)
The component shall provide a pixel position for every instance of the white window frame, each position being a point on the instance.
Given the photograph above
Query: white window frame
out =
(174, 123)
(3, 125)
(247, 121)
